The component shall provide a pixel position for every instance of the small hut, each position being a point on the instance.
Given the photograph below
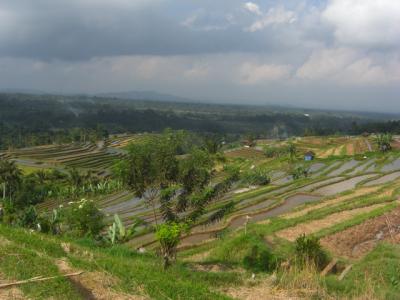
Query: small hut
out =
(308, 156)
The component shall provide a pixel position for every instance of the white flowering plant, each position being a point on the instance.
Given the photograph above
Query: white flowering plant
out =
(83, 218)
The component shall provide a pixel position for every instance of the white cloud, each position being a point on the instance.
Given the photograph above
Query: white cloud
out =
(253, 8)
(275, 15)
(251, 73)
(201, 20)
(365, 22)
(325, 63)
(349, 67)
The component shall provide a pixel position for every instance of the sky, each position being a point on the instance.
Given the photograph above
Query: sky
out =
(342, 54)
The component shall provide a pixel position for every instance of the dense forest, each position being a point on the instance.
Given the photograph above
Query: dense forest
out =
(27, 120)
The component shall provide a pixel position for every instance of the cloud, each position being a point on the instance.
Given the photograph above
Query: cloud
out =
(202, 20)
(251, 73)
(275, 15)
(349, 67)
(365, 23)
(253, 8)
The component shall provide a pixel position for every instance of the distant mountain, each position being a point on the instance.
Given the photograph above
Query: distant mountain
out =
(22, 91)
(145, 95)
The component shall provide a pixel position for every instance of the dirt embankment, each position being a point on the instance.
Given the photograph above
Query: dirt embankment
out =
(357, 241)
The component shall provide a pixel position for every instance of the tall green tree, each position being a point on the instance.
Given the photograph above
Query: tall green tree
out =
(10, 177)
(151, 166)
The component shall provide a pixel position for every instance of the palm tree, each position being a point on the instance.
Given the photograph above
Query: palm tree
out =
(10, 176)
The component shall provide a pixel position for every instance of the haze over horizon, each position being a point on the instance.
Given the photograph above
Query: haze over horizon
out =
(327, 54)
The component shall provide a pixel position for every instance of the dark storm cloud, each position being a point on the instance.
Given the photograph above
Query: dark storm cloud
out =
(315, 52)
(75, 30)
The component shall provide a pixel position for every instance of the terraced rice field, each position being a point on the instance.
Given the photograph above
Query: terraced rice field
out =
(338, 191)
(82, 156)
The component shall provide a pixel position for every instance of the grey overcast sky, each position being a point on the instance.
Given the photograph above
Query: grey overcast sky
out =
(342, 54)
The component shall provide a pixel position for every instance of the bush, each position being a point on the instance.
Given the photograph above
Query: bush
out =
(245, 249)
(299, 172)
(256, 176)
(168, 235)
(309, 250)
(259, 259)
(28, 218)
(83, 218)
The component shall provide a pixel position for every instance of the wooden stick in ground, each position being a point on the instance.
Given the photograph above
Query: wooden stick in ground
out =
(37, 279)
(329, 267)
(345, 271)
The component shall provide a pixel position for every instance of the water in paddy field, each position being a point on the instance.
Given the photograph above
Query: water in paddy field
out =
(238, 222)
(362, 166)
(122, 206)
(334, 165)
(312, 186)
(316, 167)
(342, 186)
(383, 179)
(393, 166)
(283, 180)
(345, 167)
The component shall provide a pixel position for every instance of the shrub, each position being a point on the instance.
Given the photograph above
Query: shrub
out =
(245, 249)
(309, 250)
(256, 176)
(168, 235)
(83, 218)
(299, 172)
(259, 259)
(28, 218)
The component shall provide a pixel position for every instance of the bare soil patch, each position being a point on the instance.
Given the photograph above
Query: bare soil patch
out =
(350, 149)
(11, 292)
(293, 233)
(358, 240)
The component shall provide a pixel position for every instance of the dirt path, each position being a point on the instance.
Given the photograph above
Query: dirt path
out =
(293, 233)
(357, 193)
(358, 240)
(95, 285)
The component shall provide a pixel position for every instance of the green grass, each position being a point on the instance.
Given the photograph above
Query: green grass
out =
(33, 254)
(378, 273)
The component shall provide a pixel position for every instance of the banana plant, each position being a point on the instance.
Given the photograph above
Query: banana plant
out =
(118, 233)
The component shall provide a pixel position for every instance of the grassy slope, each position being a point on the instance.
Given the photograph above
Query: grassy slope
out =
(31, 254)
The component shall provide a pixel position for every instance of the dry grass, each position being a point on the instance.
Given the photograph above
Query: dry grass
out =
(303, 281)
(259, 288)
